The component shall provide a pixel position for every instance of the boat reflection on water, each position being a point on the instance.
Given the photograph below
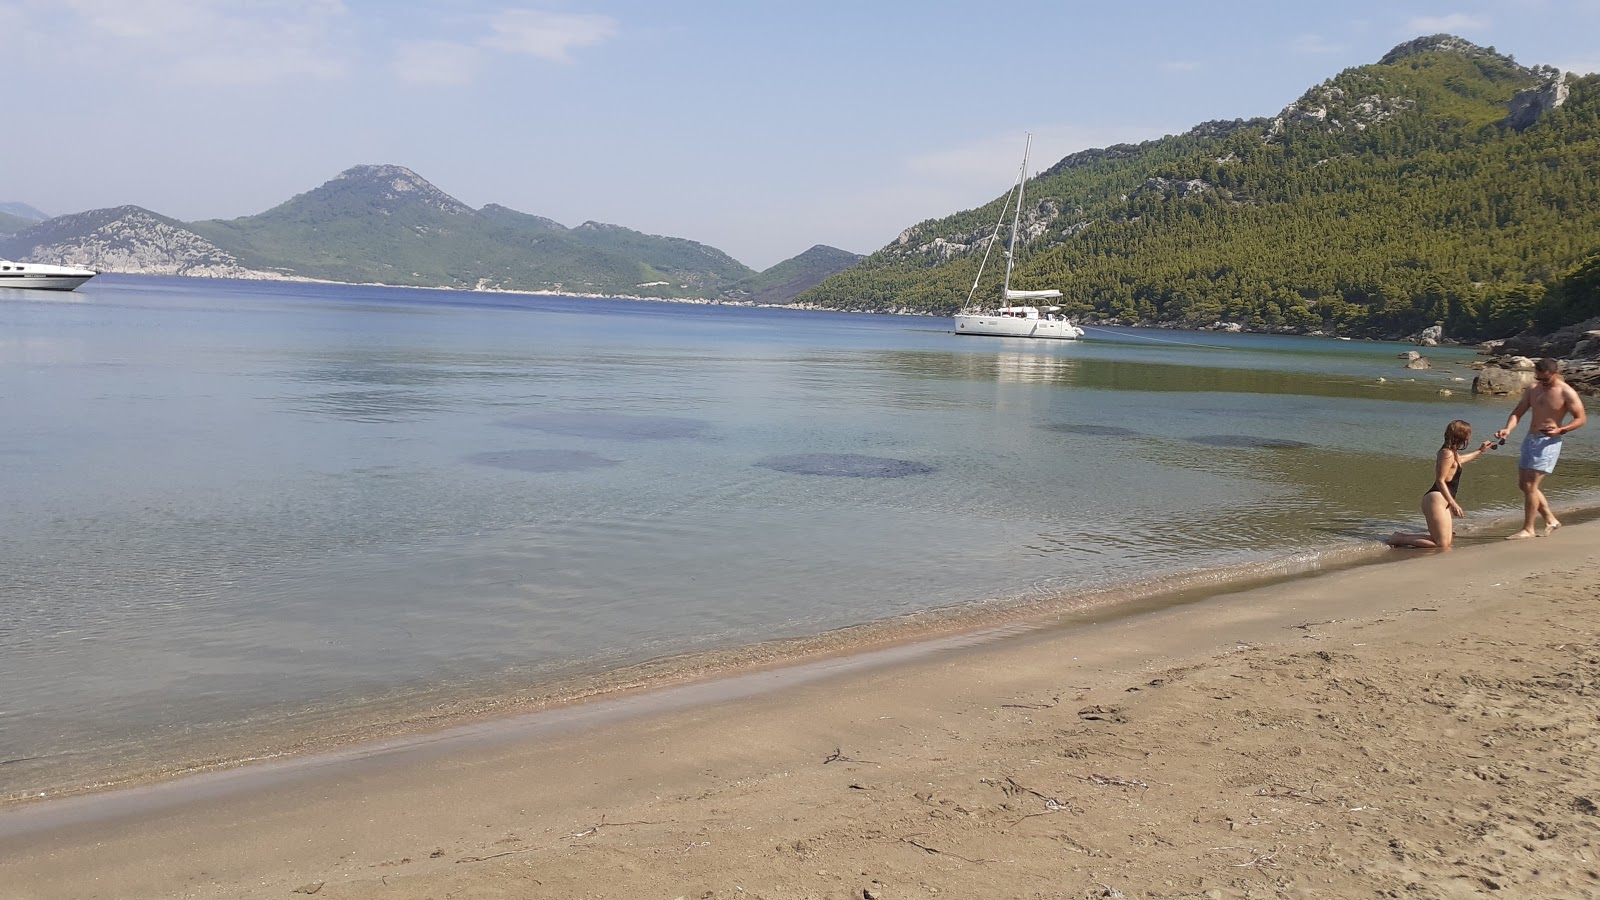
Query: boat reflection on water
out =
(1029, 368)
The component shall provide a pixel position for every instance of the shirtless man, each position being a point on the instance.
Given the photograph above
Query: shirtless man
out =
(1551, 400)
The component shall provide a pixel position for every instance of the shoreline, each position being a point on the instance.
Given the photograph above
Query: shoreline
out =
(1289, 736)
(422, 716)
(1096, 655)
(432, 714)
(799, 307)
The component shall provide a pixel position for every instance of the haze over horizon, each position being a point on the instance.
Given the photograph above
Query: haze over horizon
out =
(758, 130)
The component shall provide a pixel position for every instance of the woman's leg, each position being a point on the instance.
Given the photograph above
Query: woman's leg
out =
(1441, 525)
(1406, 540)
(1441, 530)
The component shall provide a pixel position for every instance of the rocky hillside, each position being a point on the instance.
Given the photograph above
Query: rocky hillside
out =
(387, 224)
(1445, 183)
(126, 239)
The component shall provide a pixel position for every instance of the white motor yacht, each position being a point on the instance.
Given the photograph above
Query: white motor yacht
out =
(41, 277)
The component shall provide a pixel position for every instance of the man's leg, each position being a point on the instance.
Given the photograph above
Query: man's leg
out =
(1550, 522)
(1532, 499)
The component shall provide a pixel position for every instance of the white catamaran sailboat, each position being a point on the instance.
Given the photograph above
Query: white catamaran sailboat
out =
(1009, 319)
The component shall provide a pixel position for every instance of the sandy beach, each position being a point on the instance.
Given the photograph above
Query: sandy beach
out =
(1426, 727)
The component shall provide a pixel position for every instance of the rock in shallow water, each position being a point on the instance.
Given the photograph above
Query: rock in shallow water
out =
(1097, 430)
(613, 426)
(541, 460)
(845, 465)
(1247, 441)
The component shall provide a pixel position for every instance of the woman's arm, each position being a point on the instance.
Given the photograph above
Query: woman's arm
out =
(1464, 458)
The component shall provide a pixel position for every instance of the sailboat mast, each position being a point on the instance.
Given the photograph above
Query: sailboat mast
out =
(1011, 249)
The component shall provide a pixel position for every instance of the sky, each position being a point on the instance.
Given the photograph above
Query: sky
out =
(759, 127)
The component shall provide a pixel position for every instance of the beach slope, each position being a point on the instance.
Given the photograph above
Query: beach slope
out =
(1428, 727)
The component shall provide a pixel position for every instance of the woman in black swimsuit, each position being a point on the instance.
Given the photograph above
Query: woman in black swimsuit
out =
(1439, 504)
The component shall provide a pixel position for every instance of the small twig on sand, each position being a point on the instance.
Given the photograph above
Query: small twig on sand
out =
(1263, 861)
(1012, 788)
(1113, 782)
(1054, 701)
(935, 850)
(837, 756)
(604, 824)
(1307, 626)
(472, 859)
(1278, 790)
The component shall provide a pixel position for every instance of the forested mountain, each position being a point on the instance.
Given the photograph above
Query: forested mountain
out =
(788, 279)
(1444, 183)
(387, 224)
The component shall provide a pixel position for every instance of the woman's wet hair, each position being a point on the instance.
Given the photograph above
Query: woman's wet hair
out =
(1457, 433)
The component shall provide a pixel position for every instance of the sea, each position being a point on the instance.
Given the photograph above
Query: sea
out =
(249, 519)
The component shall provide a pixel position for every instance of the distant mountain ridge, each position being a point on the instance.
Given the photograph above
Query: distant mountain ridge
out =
(23, 211)
(792, 277)
(386, 224)
(1445, 183)
(16, 216)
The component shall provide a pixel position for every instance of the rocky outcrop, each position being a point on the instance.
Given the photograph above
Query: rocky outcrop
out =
(1333, 109)
(1558, 344)
(1223, 127)
(1533, 104)
(1037, 222)
(1173, 187)
(1577, 346)
(1447, 43)
(398, 184)
(1504, 375)
(1429, 337)
(128, 239)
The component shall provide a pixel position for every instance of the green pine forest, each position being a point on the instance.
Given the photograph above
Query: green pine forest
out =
(1391, 197)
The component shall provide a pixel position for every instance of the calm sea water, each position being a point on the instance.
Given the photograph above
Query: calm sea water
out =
(234, 507)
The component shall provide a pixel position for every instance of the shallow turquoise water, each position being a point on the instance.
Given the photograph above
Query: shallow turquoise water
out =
(232, 505)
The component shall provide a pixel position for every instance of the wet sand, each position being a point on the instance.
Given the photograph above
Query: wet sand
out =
(1428, 727)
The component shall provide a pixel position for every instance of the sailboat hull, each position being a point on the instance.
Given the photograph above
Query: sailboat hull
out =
(1011, 326)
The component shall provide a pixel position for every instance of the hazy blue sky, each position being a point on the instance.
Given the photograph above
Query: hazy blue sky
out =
(760, 128)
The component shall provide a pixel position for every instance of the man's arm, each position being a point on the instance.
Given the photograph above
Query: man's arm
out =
(1574, 406)
(1516, 414)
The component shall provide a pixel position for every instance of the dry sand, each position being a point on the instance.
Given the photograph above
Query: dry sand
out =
(1423, 728)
